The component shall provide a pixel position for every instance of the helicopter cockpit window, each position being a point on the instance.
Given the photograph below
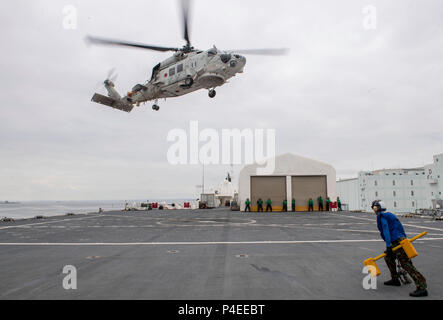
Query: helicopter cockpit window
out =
(155, 71)
(212, 52)
(225, 57)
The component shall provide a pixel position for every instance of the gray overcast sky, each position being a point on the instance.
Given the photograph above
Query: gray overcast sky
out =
(354, 98)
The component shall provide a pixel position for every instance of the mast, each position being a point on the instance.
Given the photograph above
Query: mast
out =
(203, 184)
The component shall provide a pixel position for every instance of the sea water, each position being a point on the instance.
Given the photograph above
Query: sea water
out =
(30, 209)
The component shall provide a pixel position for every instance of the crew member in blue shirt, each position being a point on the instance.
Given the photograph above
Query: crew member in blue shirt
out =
(392, 232)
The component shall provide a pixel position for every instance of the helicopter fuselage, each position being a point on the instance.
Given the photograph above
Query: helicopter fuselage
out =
(184, 73)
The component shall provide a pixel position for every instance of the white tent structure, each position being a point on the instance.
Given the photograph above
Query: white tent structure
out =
(294, 177)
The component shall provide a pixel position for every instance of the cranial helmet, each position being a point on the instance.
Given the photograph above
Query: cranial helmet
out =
(380, 204)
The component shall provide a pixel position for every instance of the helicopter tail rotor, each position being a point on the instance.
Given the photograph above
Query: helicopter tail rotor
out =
(110, 79)
(112, 76)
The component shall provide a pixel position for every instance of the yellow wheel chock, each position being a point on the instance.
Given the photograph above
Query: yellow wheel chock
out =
(407, 246)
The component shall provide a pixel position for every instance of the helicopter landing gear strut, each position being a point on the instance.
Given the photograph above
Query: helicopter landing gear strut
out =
(155, 107)
(212, 93)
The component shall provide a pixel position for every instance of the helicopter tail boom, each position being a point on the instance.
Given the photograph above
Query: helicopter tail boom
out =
(114, 99)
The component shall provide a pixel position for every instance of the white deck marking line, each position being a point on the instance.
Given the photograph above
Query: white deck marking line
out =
(360, 218)
(40, 223)
(364, 248)
(221, 225)
(191, 243)
(409, 225)
(129, 216)
(422, 227)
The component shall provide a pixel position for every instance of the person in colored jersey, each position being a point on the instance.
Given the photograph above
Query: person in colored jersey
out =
(392, 232)
(328, 203)
(310, 205)
(339, 204)
(293, 204)
(268, 205)
(285, 205)
(248, 205)
(259, 205)
(320, 203)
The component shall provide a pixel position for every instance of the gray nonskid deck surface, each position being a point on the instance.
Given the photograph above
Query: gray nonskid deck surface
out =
(206, 254)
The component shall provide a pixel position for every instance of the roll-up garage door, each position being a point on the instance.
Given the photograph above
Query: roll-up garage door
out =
(272, 187)
(305, 187)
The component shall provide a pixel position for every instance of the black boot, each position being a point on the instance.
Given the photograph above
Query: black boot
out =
(393, 282)
(419, 293)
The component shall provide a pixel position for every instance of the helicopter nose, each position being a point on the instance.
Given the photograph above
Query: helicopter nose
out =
(241, 60)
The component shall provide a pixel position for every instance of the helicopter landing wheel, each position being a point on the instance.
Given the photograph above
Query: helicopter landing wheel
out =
(212, 93)
(155, 107)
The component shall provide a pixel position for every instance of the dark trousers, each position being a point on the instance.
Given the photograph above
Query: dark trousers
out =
(311, 207)
(248, 208)
(285, 207)
(327, 206)
(260, 208)
(339, 207)
(293, 207)
(320, 206)
(268, 206)
(406, 263)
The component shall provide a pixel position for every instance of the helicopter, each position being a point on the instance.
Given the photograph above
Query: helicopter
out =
(186, 71)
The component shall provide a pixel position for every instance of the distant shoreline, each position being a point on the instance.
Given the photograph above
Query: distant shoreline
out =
(31, 209)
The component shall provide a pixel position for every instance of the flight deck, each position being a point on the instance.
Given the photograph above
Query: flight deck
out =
(207, 254)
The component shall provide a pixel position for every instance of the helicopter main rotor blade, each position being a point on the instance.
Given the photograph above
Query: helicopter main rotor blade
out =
(185, 15)
(110, 42)
(265, 52)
